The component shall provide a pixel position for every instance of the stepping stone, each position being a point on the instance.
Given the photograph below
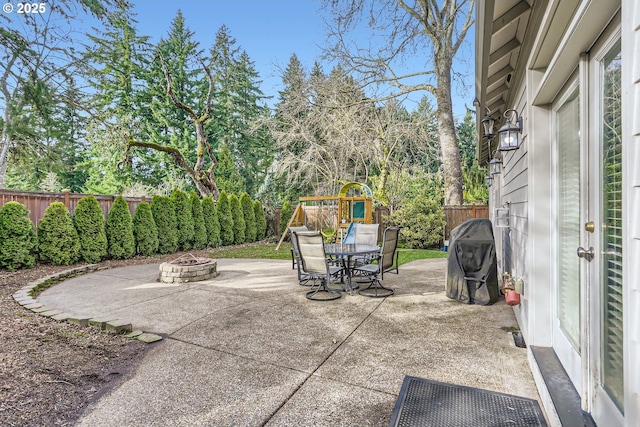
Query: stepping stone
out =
(118, 327)
(80, 320)
(149, 338)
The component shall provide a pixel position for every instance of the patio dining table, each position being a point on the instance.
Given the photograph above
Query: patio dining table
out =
(344, 252)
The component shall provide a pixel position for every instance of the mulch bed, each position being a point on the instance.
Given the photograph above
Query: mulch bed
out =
(51, 371)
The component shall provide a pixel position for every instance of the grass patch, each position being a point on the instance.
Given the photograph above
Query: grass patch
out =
(268, 251)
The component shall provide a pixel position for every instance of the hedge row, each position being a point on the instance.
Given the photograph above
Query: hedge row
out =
(180, 222)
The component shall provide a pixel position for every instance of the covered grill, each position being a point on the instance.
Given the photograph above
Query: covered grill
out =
(472, 273)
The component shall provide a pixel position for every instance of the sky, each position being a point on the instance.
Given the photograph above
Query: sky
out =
(270, 31)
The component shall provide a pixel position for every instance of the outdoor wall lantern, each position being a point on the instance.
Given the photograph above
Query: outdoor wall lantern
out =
(509, 134)
(488, 123)
(488, 180)
(495, 166)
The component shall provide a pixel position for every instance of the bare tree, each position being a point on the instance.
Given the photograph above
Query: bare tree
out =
(327, 133)
(433, 29)
(204, 179)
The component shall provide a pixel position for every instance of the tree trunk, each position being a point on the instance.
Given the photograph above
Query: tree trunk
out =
(4, 159)
(448, 139)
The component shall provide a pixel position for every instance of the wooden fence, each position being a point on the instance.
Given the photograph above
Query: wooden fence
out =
(456, 215)
(38, 202)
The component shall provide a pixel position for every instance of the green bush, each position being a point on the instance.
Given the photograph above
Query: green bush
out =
(145, 231)
(88, 219)
(285, 215)
(239, 226)
(164, 216)
(184, 219)
(225, 219)
(57, 237)
(199, 229)
(261, 220)
(121, 243)
(17, 237)
(211, 223)
(423, 223)
(249, 218)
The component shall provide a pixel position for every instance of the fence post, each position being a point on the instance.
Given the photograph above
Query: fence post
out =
(67, 201)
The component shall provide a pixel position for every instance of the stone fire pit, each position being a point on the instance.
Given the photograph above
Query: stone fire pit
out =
(188, 268)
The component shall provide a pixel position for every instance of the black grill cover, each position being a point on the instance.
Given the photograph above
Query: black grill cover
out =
(472, 271)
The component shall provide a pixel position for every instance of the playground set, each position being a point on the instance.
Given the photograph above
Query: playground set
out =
(332, 215)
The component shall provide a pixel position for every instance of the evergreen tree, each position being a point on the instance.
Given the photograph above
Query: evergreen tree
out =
(117, 63)
(199, 228)
(18, 237)
(261, 220)
(226, 219)
(184, 219)
(88, 219)
(210, 213)
(239, 226)
(177, 56)
(228, 177)
(145, 230)
(121, 243)
(57, 237)
(249, 218)
(164, 216)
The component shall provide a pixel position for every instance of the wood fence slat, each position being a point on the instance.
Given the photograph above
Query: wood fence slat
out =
(37, 202)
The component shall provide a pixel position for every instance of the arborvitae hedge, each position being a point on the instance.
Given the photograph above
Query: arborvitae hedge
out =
(121, 243)
(239, 226)
(261, 220)
(225, 219)
(184, 219)
(249, 218)
(210, 213)
(164, 216)
(145, 230)
(88, 219)
(57, 237)
(285, 216)
(199, 229)
(17, 237)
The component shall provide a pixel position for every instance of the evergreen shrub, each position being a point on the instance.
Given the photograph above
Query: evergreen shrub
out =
(199, 229)
(210, 214)
(184, 219)
(239, 226)
(225, 219)
(145, 231)
(164, 216)
(121, 243)
(261, 220)
(58, 241)
(17, 237)
(285, 216)
(88, 219)
(249, 218)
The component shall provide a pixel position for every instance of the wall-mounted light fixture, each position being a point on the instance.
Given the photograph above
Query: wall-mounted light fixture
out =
(509, 134)
(495, 166)
(488, 180)
(488, 123)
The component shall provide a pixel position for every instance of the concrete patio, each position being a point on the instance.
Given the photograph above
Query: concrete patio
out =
(248, 349)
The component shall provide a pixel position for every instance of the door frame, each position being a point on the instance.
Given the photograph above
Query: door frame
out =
(599, 403)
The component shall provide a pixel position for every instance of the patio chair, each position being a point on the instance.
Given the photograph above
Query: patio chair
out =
(366, 234)
(375, 271)
(294, 249)
(316, 266)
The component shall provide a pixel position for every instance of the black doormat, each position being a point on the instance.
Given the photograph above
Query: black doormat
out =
(434, 404)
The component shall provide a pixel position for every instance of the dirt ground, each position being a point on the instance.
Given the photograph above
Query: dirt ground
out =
(51, 371)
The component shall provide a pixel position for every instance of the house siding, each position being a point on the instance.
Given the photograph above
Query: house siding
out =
(526, 248)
